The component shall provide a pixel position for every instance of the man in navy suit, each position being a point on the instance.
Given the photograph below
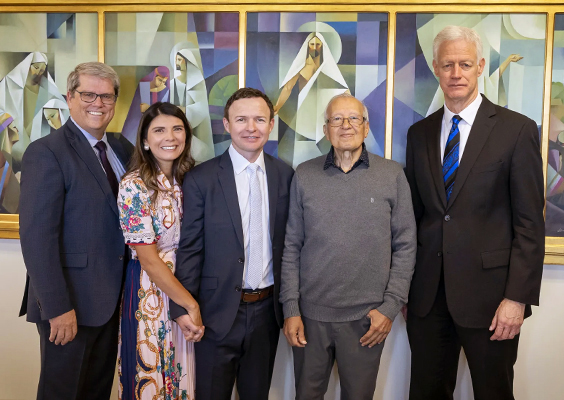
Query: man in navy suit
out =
(72, 243)
(230, 251)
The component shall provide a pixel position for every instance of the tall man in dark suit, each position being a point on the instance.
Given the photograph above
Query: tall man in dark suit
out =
(475, 172)
(230, 252)
(72, 243)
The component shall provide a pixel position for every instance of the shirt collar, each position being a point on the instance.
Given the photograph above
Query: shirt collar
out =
(468, 115)
(240, 163)
(91, 139)
(363, 159)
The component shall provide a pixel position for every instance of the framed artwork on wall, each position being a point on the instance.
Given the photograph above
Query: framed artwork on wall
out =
(513, 77)
(302, 60)
(34, 64)
(189, 59)
(196, 55)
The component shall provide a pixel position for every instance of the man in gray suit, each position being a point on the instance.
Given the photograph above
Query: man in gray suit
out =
(72, 243)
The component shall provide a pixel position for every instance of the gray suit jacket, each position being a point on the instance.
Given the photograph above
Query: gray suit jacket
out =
(71, 239)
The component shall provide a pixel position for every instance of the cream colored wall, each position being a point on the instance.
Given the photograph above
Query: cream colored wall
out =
(538, 374)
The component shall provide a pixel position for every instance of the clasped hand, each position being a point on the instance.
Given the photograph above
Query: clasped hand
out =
(191, 325)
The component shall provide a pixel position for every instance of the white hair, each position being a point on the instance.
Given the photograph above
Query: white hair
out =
(453, 32)
(344, 96)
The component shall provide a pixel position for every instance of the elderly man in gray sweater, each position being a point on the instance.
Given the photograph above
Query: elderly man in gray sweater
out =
(348, 258)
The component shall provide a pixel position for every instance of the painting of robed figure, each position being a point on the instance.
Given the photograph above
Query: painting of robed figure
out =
(302, 60)
(188, 59)
(34, 64)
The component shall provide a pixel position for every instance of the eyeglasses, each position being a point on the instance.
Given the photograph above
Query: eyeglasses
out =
(339, 121)
(89, 97)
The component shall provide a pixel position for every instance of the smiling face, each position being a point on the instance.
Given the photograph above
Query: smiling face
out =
(166, 138)
(346, 137)
(249, 124)
(458, 69)
(94, 117)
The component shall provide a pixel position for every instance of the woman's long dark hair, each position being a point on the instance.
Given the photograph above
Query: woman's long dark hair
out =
(144, 161)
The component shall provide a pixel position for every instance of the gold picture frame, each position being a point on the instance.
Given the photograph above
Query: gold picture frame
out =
(554, 245)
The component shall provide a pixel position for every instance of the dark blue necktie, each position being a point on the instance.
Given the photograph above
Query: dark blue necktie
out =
(450, 159)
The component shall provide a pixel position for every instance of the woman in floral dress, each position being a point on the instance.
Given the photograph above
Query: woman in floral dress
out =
(156, 359)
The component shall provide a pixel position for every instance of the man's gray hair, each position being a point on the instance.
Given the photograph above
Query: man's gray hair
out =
(453, 32)
(344, 96)
(97, 69)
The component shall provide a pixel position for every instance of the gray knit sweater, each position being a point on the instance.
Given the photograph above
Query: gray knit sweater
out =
(350, 242)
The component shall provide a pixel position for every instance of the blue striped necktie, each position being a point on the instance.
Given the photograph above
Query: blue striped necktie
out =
(450, 159)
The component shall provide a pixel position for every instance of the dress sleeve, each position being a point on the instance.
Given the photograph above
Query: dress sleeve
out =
(135, 214)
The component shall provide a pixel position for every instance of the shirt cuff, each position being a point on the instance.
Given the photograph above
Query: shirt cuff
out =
(390, 308)
(291, 309)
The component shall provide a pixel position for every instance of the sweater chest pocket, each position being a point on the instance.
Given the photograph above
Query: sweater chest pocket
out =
(374, 210)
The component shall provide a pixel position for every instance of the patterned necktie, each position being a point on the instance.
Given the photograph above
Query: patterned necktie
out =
(255, 266)
(450, 159)
(101, 147)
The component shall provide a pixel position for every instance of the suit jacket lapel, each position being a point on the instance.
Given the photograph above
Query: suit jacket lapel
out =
(433, 150)
(85, 152)
(227, 181)
(481, 129)
(118, 149)
(272, 179)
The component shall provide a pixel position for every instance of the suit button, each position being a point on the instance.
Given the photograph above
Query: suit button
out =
(39, 305)
(440, 254)
(447, 217)
(237, 288)
(120, 258)
(241, 261)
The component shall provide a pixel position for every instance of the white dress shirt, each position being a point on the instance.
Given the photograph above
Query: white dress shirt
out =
(115, 163)
(240, 164)
(468, 116)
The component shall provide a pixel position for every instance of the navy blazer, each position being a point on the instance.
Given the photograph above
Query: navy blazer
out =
(211, 254)
(489, 237)
(71, 240)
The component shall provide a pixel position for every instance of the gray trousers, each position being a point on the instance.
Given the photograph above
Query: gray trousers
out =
(328, 342)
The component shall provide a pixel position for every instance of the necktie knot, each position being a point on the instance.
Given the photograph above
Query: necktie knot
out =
(456, 120)
(253, 168)
(101, 146)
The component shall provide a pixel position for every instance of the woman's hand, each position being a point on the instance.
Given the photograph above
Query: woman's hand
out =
(192, 332)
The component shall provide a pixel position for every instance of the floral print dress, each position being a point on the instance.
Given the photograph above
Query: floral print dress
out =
(155, 361)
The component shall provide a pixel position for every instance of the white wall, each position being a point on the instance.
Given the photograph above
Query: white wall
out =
(539, 373)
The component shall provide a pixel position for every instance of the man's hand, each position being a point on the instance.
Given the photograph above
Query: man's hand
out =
(63, 328)
(507, 320)
(380, 326)
(294, 331)
(192, 332)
